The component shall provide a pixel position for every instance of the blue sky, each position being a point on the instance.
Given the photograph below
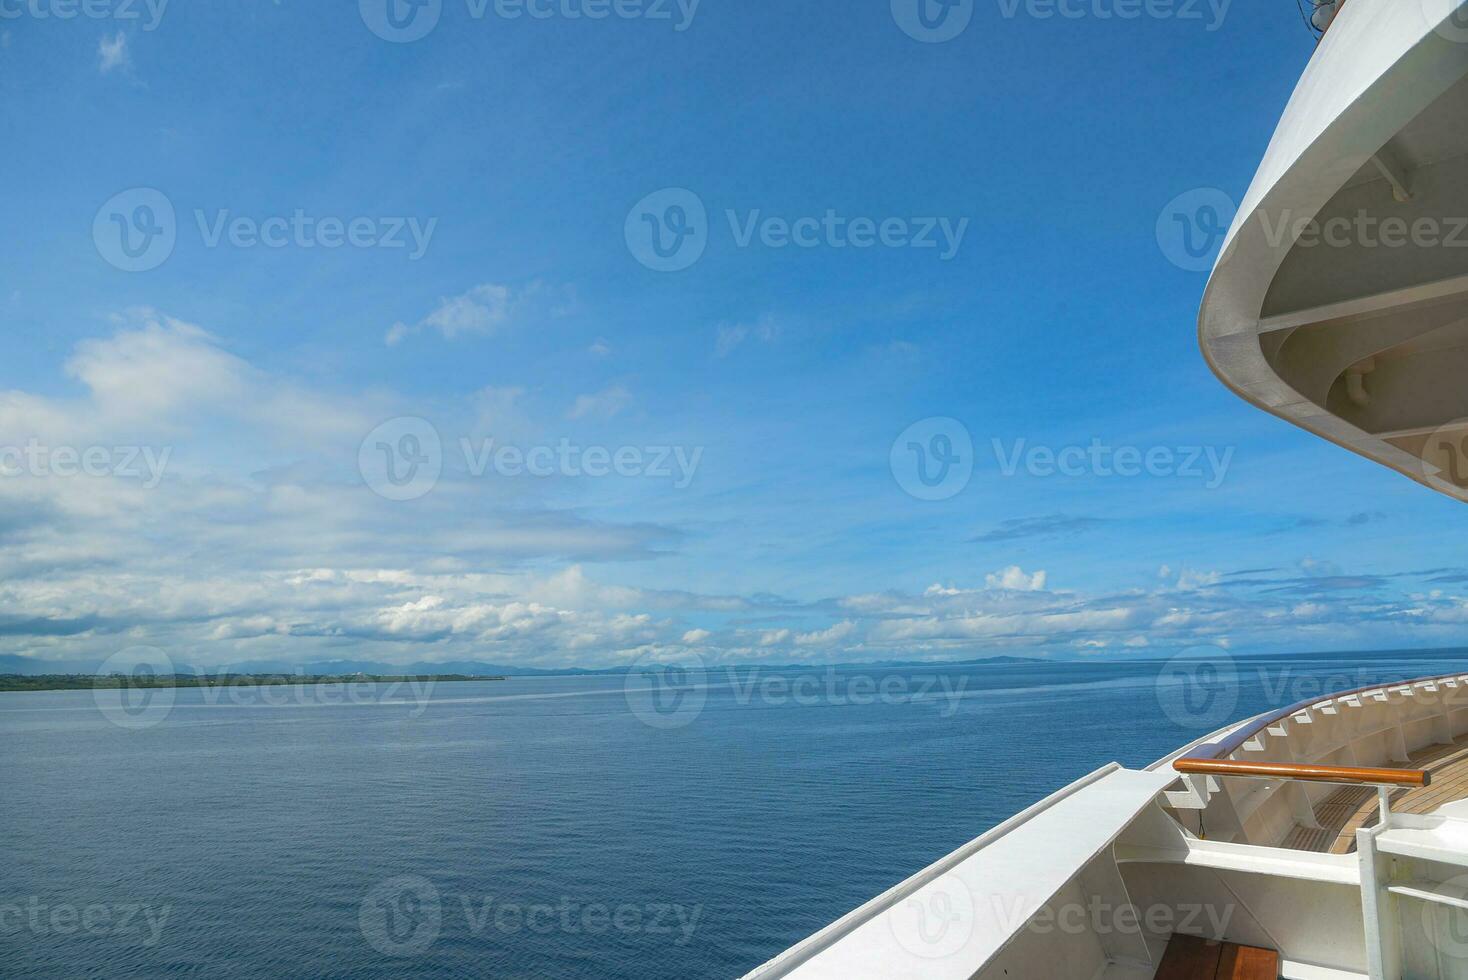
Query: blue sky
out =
(496, 172)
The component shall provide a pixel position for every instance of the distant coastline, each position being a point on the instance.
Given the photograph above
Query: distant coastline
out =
(19, 673)
(83, 682)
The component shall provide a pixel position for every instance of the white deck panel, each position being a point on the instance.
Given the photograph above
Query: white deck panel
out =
(952, 925)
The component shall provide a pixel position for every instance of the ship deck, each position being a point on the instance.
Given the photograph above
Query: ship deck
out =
(1351, 807)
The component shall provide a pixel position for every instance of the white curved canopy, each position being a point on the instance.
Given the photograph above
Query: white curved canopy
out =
(1340, 298)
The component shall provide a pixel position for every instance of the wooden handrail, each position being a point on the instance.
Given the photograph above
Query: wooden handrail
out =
(1352, 775)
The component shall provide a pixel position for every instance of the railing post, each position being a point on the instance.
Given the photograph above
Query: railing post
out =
(1384, 801)
(1378, 910)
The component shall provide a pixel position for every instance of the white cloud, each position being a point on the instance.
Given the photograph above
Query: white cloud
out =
(261, 542)
(157, 367)
(1189, 579)
(112, 53)
(1016, 579)
(732, 335)
(603, 404)
(486, 310)
(839, 633)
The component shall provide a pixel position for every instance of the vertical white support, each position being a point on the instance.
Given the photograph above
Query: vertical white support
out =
(1224, 823)
(1378, 910)
(1101, 883)
(1300, 805)
(1442, 724)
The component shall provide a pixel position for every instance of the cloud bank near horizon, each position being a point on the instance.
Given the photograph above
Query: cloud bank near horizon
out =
(241, 529)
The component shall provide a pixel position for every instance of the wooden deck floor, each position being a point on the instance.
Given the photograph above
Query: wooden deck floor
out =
(1351, 807)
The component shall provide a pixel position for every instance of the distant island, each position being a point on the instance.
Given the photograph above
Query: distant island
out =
(19, 673)
(82, 682)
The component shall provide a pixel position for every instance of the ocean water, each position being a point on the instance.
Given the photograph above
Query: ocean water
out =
(585, 827)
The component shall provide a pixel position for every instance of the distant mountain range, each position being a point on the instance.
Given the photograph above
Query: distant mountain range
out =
(14, 664)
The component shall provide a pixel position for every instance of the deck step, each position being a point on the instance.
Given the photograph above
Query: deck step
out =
(1191, 958)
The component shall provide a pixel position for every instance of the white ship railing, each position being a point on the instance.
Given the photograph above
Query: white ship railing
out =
(1344, 738)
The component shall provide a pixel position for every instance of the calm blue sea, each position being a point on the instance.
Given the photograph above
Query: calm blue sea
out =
(549, 827)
